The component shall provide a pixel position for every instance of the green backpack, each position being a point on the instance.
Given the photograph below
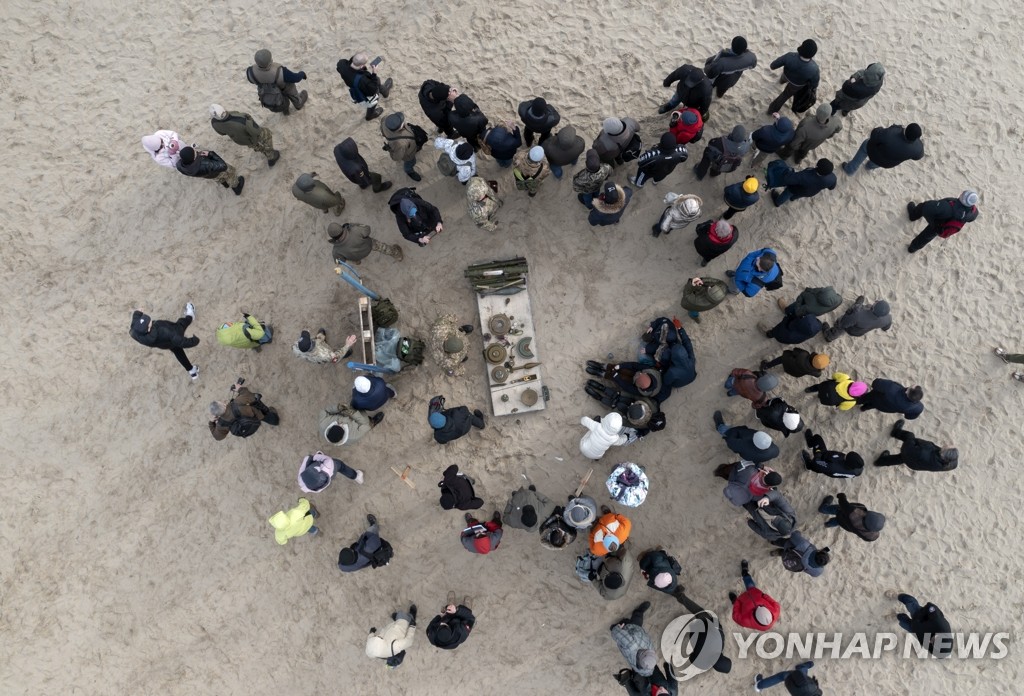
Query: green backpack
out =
(384, 313)
(410, 351)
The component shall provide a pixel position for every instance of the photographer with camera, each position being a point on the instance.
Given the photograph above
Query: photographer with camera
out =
(242, 415)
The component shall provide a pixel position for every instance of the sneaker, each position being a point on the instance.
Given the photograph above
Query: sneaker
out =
(665, 108)
(377, 418)
(371, 520)
(827, 500)
(303, 96)
(467, 602)
(274, 157)
(1019, 376)
(605, 510)
(1001, 353)
(323, 331)
(415, 176)
(632, 179)
(237, 188)
(478, 413)
(359, 477)
(757, 681)
(190, 310)
(194, 373)
(733, 597)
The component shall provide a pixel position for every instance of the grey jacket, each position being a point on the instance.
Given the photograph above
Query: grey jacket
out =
(816, 128)
(631, 639)
(611, 146)
(726, 62)
(621, 562)
(799, 543)
(817, 301)
(860, 319)
(239, 126)
(513, 515)
(762, 520)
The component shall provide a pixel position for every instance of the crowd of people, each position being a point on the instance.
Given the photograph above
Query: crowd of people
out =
(630, 392)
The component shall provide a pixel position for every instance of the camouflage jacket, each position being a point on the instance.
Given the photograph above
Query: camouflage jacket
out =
(586, 181)
(445, 326)
(483, 203)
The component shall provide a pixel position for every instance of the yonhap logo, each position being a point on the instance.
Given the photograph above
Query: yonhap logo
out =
(692, 644)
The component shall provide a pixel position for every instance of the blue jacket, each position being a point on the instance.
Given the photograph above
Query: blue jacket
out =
(739, 199)
(799, 543)
(774, 136)
(682, 367)
(891, 397)
(807, 183)
(503, 144)
(375, 398)
(597, 218)
(748, 279)
(795, 330)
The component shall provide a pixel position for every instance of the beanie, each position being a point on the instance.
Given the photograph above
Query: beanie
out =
(767, 382)
(536, 153)
(593, 160)
(334, 434)
(763, 616)
(854, 461)
(750, 185)
(394, 121)
(646, 659)
(187, 154)
(773, 478)
(689, 117)
(613, 126)
(762, 440)
(613, 581)
(913, 131)
(662, 580)
(437, 420)
(807, 49)
(739, 45)
(362, 384)
(738, 135)
(334, 230)
(791, 420)
(857, 389)
(347, 556)
(453, 344)
(821, 558)
(874, 521)
(880, 308)
(824, 112)
(642, 380)
(784, 125)
(915, 393)
(408, 207)
(538, 106)
(305, 182)
(263, 58)
(305, 343)
(824, 167)
(529, 516)
(610, 193)
(668, 141)
(439, 92)
(969, 198)
(218, 112)
(819, 361)
(464, 151)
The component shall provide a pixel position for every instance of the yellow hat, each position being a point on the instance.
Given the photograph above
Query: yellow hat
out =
(820, 361)
(750, 185)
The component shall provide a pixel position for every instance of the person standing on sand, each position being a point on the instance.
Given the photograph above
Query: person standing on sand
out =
(529, 169)
(364, 85)
(163, 146)
(841, 391)
(450, 629)
(540, 119)
(680, 212)
(355, 169)
(589, 181)
(723, 154)
(945, 217)
(805, 183)
(814, 301)
(813, 130)
(892, 397)
(702, 294)
(799, 71)
(242, 415)
(483, 203)
(207, 164)
(758, 269)
(275, 84)
(615, 574)
(661, 571)
(798, 362)
(351, 243)
(753, 609)
(660, 161)
(243, 129)
(607, 209)
(634, 642)
(778, 415)
(751, 445)
(403, 140)
(563, 150)
(859, 89)
(793, 329)
(929, 624)
(504, 142)
(619, 138)
(919, 454)
(461, 155)
(726, 67)
(770, 139)
(167, 335)
(1011, 358)
(369, 550)
(417, 220)
(313, 192)
(436, 101)
(749, 385)
(693, 89)
(832, 463)
(467, 120)
(853, 517)
(526, 509)
(798, 682)
(860, 319)
(457, 490)
(887, 148)
(800, 555)
(740, 196)
(295, 522)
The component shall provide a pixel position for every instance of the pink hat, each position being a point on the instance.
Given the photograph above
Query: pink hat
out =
(858, 389)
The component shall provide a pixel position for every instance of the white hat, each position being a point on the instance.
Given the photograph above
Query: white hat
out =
(362, 384)
(791, 420)
(662, 580)
(218, 112)
(969, 197)
(691, 206)
(762, 440)
(151, 143)
(763, 616)
(536, 153)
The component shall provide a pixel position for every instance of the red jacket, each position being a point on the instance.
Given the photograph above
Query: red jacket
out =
(744, 606)
(686, 133)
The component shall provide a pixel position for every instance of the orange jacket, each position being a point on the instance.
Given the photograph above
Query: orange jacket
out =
(611, 524)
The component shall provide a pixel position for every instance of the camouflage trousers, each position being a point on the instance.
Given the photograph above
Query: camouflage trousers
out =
(228, 178)
(264, 143)
(387, 249)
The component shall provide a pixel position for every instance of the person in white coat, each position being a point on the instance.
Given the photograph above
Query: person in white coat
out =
(391, 643)
(601, 435)
(163, 147)
(462, 155)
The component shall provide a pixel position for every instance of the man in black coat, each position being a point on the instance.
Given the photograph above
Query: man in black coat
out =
(540, 119)
(451, 628)
(167, 335)
(806, 183)
(360, 76)
(207, 164)
(793, 329)
(693, 90)
(452, 423)
(853, 517)
(887, 148)
(892, 397)
(727, 66)
(355, 169)
(798, 362)
(467, 120)
(436, 101)
(751, 445)
(778, 415)
(822, 460)
(660, 161)
(661, 571)
(418, 221)
(799, 72)
(918, 454)
(945, 217)
(929, 625)
(457, 490)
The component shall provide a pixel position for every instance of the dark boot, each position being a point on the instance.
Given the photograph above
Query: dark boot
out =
(274, 157)
(373, 113)
(237, 188)
(385, 89)
(913, 211)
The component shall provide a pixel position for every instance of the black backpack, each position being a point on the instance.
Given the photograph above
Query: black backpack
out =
(242, 426)
(271, 96)
(792, 561)
(382, 556)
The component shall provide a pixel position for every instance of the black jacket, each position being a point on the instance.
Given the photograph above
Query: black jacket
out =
(797, 363)
(467, 119)
(655, 562)
(503, 144)
(436, 111)
(369, 83)
(808, 182)
(923, 455)
(771, 415)
(833, 464)
(457, 491)
(164, 334)
(888, 147)
(796, 329)
(459, 422)
(206, 166)
(660, 161)
(426, 219)
(708, 249)
(851, 518)
(352, 164)
(796, 70)
(694, 88)
(929, 621)
(538, 124)
(740, 439)
(890, 397)
(460, 623)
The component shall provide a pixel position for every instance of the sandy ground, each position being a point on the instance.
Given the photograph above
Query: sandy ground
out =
(138, 557)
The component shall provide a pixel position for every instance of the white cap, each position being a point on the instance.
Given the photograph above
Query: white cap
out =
(762, 440)
(362, 384)
(791, 420)
(662, 580)
(763, 616)
(536, 153)
(218, 112)
(969, 197)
